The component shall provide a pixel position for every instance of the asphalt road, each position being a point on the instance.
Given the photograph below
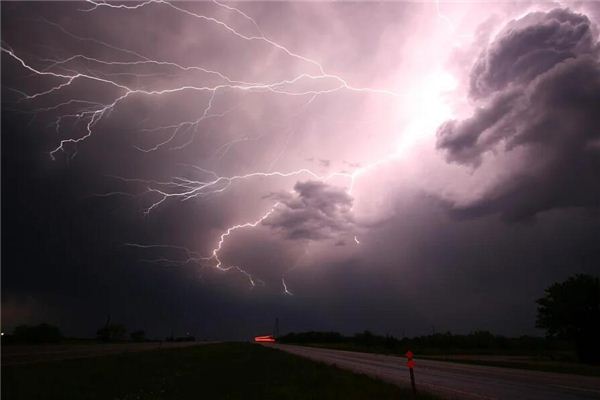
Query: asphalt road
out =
(26, 354)
(459, 381)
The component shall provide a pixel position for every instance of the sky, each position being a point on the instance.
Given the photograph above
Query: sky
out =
(207, 167)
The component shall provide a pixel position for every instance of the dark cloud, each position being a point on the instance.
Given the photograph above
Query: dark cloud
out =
(315, 211)
(466, 140)
(529, 47)
(539, 85)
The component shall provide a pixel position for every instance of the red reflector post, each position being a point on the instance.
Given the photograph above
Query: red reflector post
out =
(410, 363)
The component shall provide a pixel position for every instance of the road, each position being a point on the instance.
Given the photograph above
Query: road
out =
(27, 354)
(460, 381)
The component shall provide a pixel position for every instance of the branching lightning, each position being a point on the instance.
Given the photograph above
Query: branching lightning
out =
(65, 72)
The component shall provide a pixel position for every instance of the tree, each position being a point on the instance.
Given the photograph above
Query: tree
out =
(571, 310)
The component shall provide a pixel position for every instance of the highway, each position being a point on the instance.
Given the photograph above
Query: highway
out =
(458, 381)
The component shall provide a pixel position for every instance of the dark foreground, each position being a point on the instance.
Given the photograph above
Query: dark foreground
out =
(460, 380)
(215, 371)
(28, 354)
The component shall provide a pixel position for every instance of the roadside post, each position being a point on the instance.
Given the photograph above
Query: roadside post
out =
(410, 363)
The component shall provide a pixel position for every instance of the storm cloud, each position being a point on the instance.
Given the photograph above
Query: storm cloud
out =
(537, 91)
(315, 211)
(530, 46)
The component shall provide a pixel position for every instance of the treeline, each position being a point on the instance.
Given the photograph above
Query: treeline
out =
(109, 333)
(34, 334)
(476, 342)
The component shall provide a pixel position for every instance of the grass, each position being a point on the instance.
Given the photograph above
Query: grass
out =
(217, 371)
(558, 362)
(532, 365)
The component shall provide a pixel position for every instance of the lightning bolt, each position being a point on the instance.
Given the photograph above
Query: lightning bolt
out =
(285, 288)
(64, 72)
(229, 231)
(444, 17)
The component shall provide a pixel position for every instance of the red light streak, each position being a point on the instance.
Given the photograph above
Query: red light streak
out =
(264, 339)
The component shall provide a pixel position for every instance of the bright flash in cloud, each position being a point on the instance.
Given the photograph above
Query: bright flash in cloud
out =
(429, 107)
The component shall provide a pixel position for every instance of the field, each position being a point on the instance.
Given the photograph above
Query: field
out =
(522, 362)
(216, 371)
